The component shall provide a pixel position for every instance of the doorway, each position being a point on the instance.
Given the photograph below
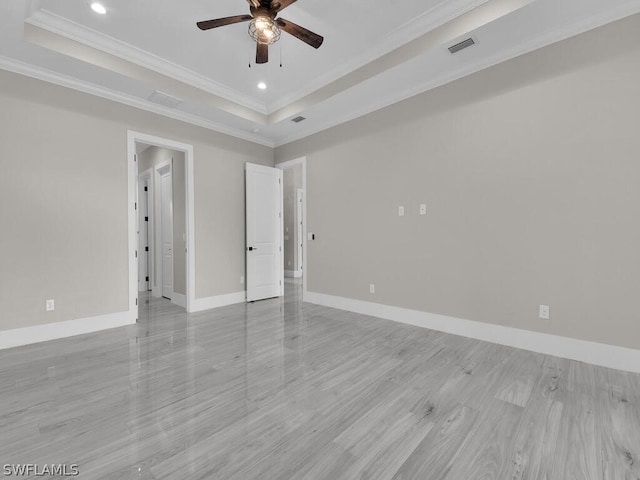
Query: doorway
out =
(163, 207)
(165, 229)
(294, 218)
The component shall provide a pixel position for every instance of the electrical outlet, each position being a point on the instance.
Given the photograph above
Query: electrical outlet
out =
(372, 288)
(242, 280)
(423, 209)
(50, 305)
(401, 211)
(544, 312)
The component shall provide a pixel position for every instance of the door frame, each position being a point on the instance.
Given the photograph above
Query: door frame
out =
(132, 138)
(305, 264)
(159, 171)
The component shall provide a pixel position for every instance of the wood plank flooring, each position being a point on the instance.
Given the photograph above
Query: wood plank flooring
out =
(281, 390)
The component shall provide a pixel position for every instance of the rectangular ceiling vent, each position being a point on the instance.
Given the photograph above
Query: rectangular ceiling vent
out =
(298, 119)
(462, 45)
(165, 99)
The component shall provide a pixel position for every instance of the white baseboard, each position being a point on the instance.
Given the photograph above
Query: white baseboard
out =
(53, 331)
(179, 299)
(620, 358)
(200, 304)
(293, 273)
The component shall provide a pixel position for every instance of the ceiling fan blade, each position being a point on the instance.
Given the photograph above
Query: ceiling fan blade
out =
(262, 53)
(221, 22)
(301, 33)
(279, 5)
(254, 3)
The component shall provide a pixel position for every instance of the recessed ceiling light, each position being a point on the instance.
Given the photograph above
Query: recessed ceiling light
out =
(98, 8)
(262, 86)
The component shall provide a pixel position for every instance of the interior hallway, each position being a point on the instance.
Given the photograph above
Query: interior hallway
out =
(284, 390)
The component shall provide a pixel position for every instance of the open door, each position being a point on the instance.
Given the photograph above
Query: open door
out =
(265, 271)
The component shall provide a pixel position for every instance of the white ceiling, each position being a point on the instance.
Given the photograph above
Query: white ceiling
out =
(375, 53)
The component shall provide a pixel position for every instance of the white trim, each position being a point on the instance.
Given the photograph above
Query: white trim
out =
(50, 76)
(179, 299)
(608, 15)
(158, 172)
(200, 304)
(305, 269)
(84, 35)
(293, 273)
(443, 12)
(132, 138)
(53, 331)
(620, 358)
(433, 18)
(535, 43)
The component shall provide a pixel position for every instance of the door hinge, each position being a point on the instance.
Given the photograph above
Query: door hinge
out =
(146, 249)
(136, 301)
(146, 219)
(146, 189)
(146, 279)
(135, 205)
(136, 253)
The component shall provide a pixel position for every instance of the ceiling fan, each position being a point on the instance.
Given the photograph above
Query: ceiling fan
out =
(264, 27)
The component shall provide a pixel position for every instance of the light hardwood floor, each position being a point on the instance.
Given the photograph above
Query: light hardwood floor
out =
(284, 390)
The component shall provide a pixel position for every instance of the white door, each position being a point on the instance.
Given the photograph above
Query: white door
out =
(265, 271)
(166, 229)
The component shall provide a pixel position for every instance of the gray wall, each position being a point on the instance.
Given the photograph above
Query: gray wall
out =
(150, 158)
(531, 174)
(63, 202)
(292, 182)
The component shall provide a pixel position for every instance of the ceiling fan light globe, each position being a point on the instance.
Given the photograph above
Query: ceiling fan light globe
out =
(265, 34)
(261, 23)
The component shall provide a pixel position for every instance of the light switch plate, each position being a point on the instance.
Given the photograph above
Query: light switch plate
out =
(423, 209)
(372, 288)
(50, 305)
(401, 211)
(544, 312)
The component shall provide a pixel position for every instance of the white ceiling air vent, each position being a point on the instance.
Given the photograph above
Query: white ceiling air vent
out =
(165, 99)
(462, 45)
(298, 119)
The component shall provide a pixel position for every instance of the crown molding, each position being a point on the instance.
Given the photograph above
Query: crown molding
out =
(56, 78)
(444, 12)
(92, 38)
(540, 41)
(609, 15)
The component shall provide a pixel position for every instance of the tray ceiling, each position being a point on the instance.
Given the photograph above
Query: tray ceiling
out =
(375, 53)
